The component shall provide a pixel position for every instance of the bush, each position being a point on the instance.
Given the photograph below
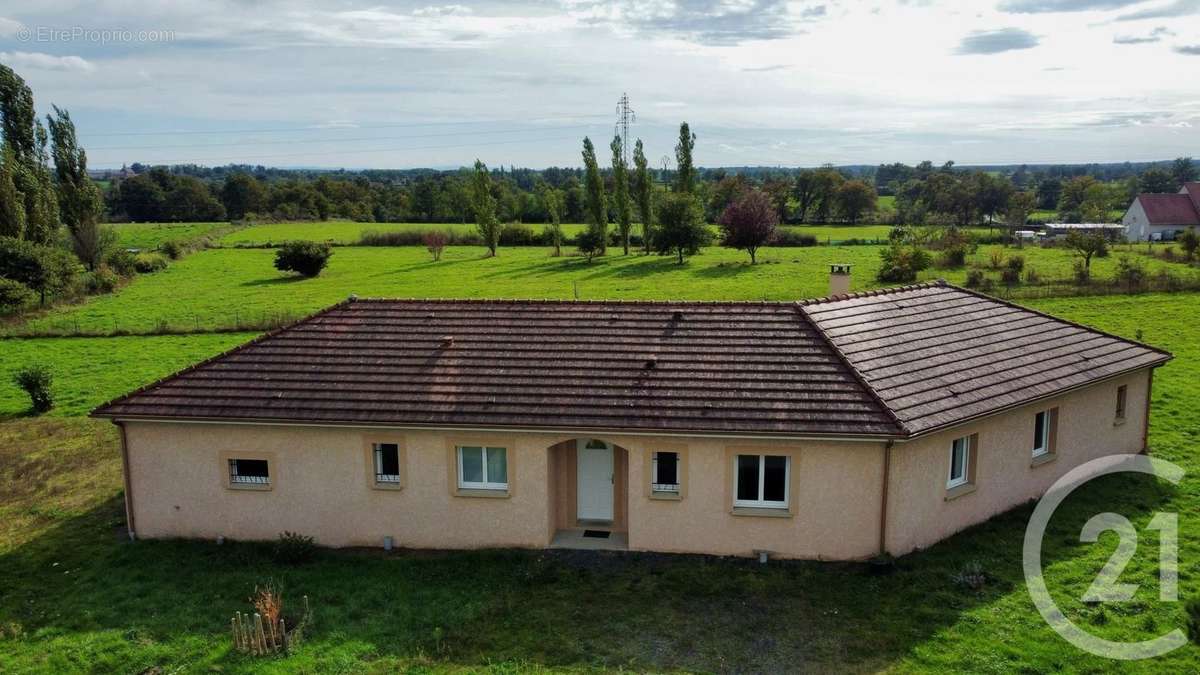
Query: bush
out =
(1010, 276)
(149, 263)
(518, 234)
(1032, 276)
(1082, 274)
(435, 243)
(590, 243)
(306, 258)
(14, 295)
(786, 237)
(996, 259)
(122, 261)
(902, 263)
(1016, 263)
(172, 249)
(975, 278)
(101, 280)
(1131, 272)
(36, 380)
(293, 548)
(1189, 241)
(953, 257)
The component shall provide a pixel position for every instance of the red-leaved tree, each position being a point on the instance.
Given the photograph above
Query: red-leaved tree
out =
(749, 223)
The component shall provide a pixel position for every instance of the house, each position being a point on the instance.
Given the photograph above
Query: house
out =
(1151, 215)
(837, 428)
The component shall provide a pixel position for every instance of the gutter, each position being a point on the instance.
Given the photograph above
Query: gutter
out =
(1146, 417)
(129, 522)
(883, 502)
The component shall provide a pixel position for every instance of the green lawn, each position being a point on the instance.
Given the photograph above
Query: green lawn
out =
(75, 597)
(150, 235)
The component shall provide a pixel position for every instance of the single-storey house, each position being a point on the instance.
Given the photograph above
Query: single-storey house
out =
(1153, 214)
(838, 428)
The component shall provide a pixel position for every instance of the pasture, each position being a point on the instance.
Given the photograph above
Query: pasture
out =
(148, 236)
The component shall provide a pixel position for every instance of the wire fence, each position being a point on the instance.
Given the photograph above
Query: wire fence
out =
(235, 321)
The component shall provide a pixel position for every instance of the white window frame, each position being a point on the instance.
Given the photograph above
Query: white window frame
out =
(657, 486)
(236, 479)
(485, 484)
(761, 503)
(951, 480)
(380, 477)
(1043, 446)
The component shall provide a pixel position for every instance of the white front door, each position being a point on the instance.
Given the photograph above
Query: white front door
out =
(595, 468)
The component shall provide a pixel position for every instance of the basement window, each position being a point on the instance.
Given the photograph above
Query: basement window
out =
(249, 472)
(761, 481)
(665, 472)
(387, 463)
(482, 468)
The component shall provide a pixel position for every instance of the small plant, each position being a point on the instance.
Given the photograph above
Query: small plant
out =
(971, 577)
(953, 257)
(975, 278)
(101, 280)
(1131, 272)
(268, 630)
(293, 548)
(1032, 276)
(435, 242)
(122, 261)
(996, 259)
(36, 379)
(172, 249)
(1010, 277)
(149, 263)
(306, 258)
(1016, 263)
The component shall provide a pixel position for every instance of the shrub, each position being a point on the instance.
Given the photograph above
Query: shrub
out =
(306, 258)
(149, 263)
(1016, 263)
(171, 248)
(1189, 241)
(101, 280)
(1083, 275)
(293, 548)
(122, 261)
(786, 237)
(45, 270)
(14, 295)
(36, 379)
(518, 234)
(975, 278)
(1131, 272)
(1032, 276)
(1010, 276)
(435, 242)
(953, 257)
(996, 259)
(902, 263)
(589, 242)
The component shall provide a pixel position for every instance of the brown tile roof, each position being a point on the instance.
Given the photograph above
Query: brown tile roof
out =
(1170, 209)
(881, 364)
(938, 355)
(707, 367)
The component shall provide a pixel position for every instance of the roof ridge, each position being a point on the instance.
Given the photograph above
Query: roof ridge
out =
(874, 292)
(227, 352)
(858, 376)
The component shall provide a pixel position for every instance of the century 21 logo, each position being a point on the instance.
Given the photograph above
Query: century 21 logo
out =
(1107, 587)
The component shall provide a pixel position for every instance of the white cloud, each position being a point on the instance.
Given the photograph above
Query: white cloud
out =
(40, 61)
(9, 28)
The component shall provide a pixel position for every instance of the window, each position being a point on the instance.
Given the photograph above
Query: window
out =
(665, 472)
(1122, 392)
(1041, 433)
(761, 481)
(249, 472)
(482, 468)
(387, 463)
(960, 462)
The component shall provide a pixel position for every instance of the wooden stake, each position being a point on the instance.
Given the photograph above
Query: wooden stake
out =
(283, 638)
(233, 625)
(258, 627)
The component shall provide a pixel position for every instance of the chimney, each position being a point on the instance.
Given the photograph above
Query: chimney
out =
(839, 280)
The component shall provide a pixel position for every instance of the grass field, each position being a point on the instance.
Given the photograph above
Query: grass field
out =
(77, 598)
(149, 235)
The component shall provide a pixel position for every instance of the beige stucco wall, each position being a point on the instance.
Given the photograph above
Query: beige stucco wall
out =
(919, 513)
(321, 487)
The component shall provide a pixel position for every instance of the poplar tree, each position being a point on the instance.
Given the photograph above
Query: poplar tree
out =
(597, 208)
(621, 192)
(484, 205)
(79, 199)
(643, 186)
(685, 170)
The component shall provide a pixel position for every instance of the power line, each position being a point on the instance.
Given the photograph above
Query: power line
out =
(273, 130)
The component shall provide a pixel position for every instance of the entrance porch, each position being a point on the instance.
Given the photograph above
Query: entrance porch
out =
(589, 495)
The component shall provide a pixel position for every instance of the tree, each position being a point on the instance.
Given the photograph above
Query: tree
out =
(79, 199)
(12, 201)
(749, 223)
(17, 115)
(1086, 245)
(41, 205)
(590, 244)
(805, 191)
(242, 194)
(1189, 241)
(993, 193)
(621, 192)
(552, 201)
(1020, 205)
(306, 258)
(484, 206)
(854, 198)
(1070, 201)
(596, 206)
(685, 169)
(141, 198)
(191, 201)
(435, 242)
(43, 269)
(681, 228)
(1157, 181)
(1183, 170)
(643, 191)
(1048, 193)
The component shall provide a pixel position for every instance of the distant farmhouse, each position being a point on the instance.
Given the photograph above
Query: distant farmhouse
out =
(1159, 216)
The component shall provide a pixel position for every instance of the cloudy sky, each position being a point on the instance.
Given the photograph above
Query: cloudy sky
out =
(762, 82)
